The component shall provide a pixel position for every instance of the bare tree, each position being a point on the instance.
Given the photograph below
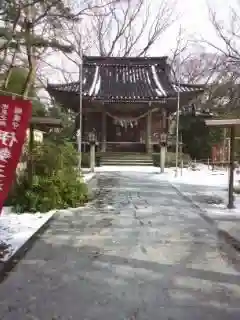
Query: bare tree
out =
(227, 31)
(130, 27)
(220, 69)
(191, 63)
(201, 68)
(118, 28)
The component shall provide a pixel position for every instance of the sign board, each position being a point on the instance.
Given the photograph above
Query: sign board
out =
(15, 115)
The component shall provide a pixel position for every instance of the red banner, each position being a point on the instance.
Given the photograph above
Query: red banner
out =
(214, 154)
(15, 115)
(219, 154)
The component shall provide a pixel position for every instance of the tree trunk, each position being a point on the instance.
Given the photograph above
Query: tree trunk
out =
(9, 71)
(31, 61)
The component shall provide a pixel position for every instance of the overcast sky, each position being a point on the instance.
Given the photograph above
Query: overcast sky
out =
(194, 19)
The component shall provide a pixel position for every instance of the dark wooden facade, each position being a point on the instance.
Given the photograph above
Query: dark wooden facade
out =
(122, 136)
(126, 101)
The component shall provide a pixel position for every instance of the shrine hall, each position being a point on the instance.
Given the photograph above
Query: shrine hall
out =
(127, 101)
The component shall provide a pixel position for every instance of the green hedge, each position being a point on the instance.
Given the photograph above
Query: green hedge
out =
(170, 159)
(86, 160)
(55, 184)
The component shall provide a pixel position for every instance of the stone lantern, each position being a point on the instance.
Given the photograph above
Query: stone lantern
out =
(92, 142)
(163, 149)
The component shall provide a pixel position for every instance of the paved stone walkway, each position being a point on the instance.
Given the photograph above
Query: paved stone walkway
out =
(139, 252)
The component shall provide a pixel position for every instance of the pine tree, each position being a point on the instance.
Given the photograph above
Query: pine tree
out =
(25, 26)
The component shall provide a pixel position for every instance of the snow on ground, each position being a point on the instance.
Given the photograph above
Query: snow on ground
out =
(88, 176)
(203, 176)
(208, 184)
(147, 169)
(17, 229)
(220, 211)
(204, 182)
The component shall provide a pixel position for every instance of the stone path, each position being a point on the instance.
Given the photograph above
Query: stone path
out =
(139, 252)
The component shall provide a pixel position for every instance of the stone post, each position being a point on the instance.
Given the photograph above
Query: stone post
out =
(162, 158)
(163, 150)
(104, 131)
(149, 132)
(92, 156)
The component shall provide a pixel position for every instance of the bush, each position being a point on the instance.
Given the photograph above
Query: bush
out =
(170, 159)
(55, 182)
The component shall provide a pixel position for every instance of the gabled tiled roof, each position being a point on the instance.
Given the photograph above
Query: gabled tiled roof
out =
(111, 79)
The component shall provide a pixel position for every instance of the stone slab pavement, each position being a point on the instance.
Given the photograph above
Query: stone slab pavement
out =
(139, 251)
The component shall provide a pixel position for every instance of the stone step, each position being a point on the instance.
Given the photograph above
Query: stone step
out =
(113, 163)
(124, 153)
(126, 159)
(126, 156)
(128, 162)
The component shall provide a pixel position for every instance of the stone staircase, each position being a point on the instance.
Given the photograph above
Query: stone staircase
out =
(125, 159)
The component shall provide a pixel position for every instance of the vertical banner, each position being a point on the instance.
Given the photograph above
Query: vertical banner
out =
(15, 115)
(214, 154)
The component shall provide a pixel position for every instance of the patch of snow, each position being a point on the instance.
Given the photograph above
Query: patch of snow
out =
(88, 176)
(220, 211)
(203, 177)
(224, 214)
(17, 229)
(200, 177)
(216, 181)
(147, 169)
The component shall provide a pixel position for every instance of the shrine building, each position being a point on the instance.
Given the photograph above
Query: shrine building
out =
(127, 101)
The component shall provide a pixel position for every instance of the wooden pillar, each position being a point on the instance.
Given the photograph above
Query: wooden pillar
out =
(162, 158)
(149, 132)
(231, 168)
(181, 148)
(104, 130)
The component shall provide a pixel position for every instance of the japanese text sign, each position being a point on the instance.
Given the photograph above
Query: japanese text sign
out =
(15, 115)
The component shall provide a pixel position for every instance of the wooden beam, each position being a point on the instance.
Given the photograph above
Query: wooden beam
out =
(222, 122)
(50, 122)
